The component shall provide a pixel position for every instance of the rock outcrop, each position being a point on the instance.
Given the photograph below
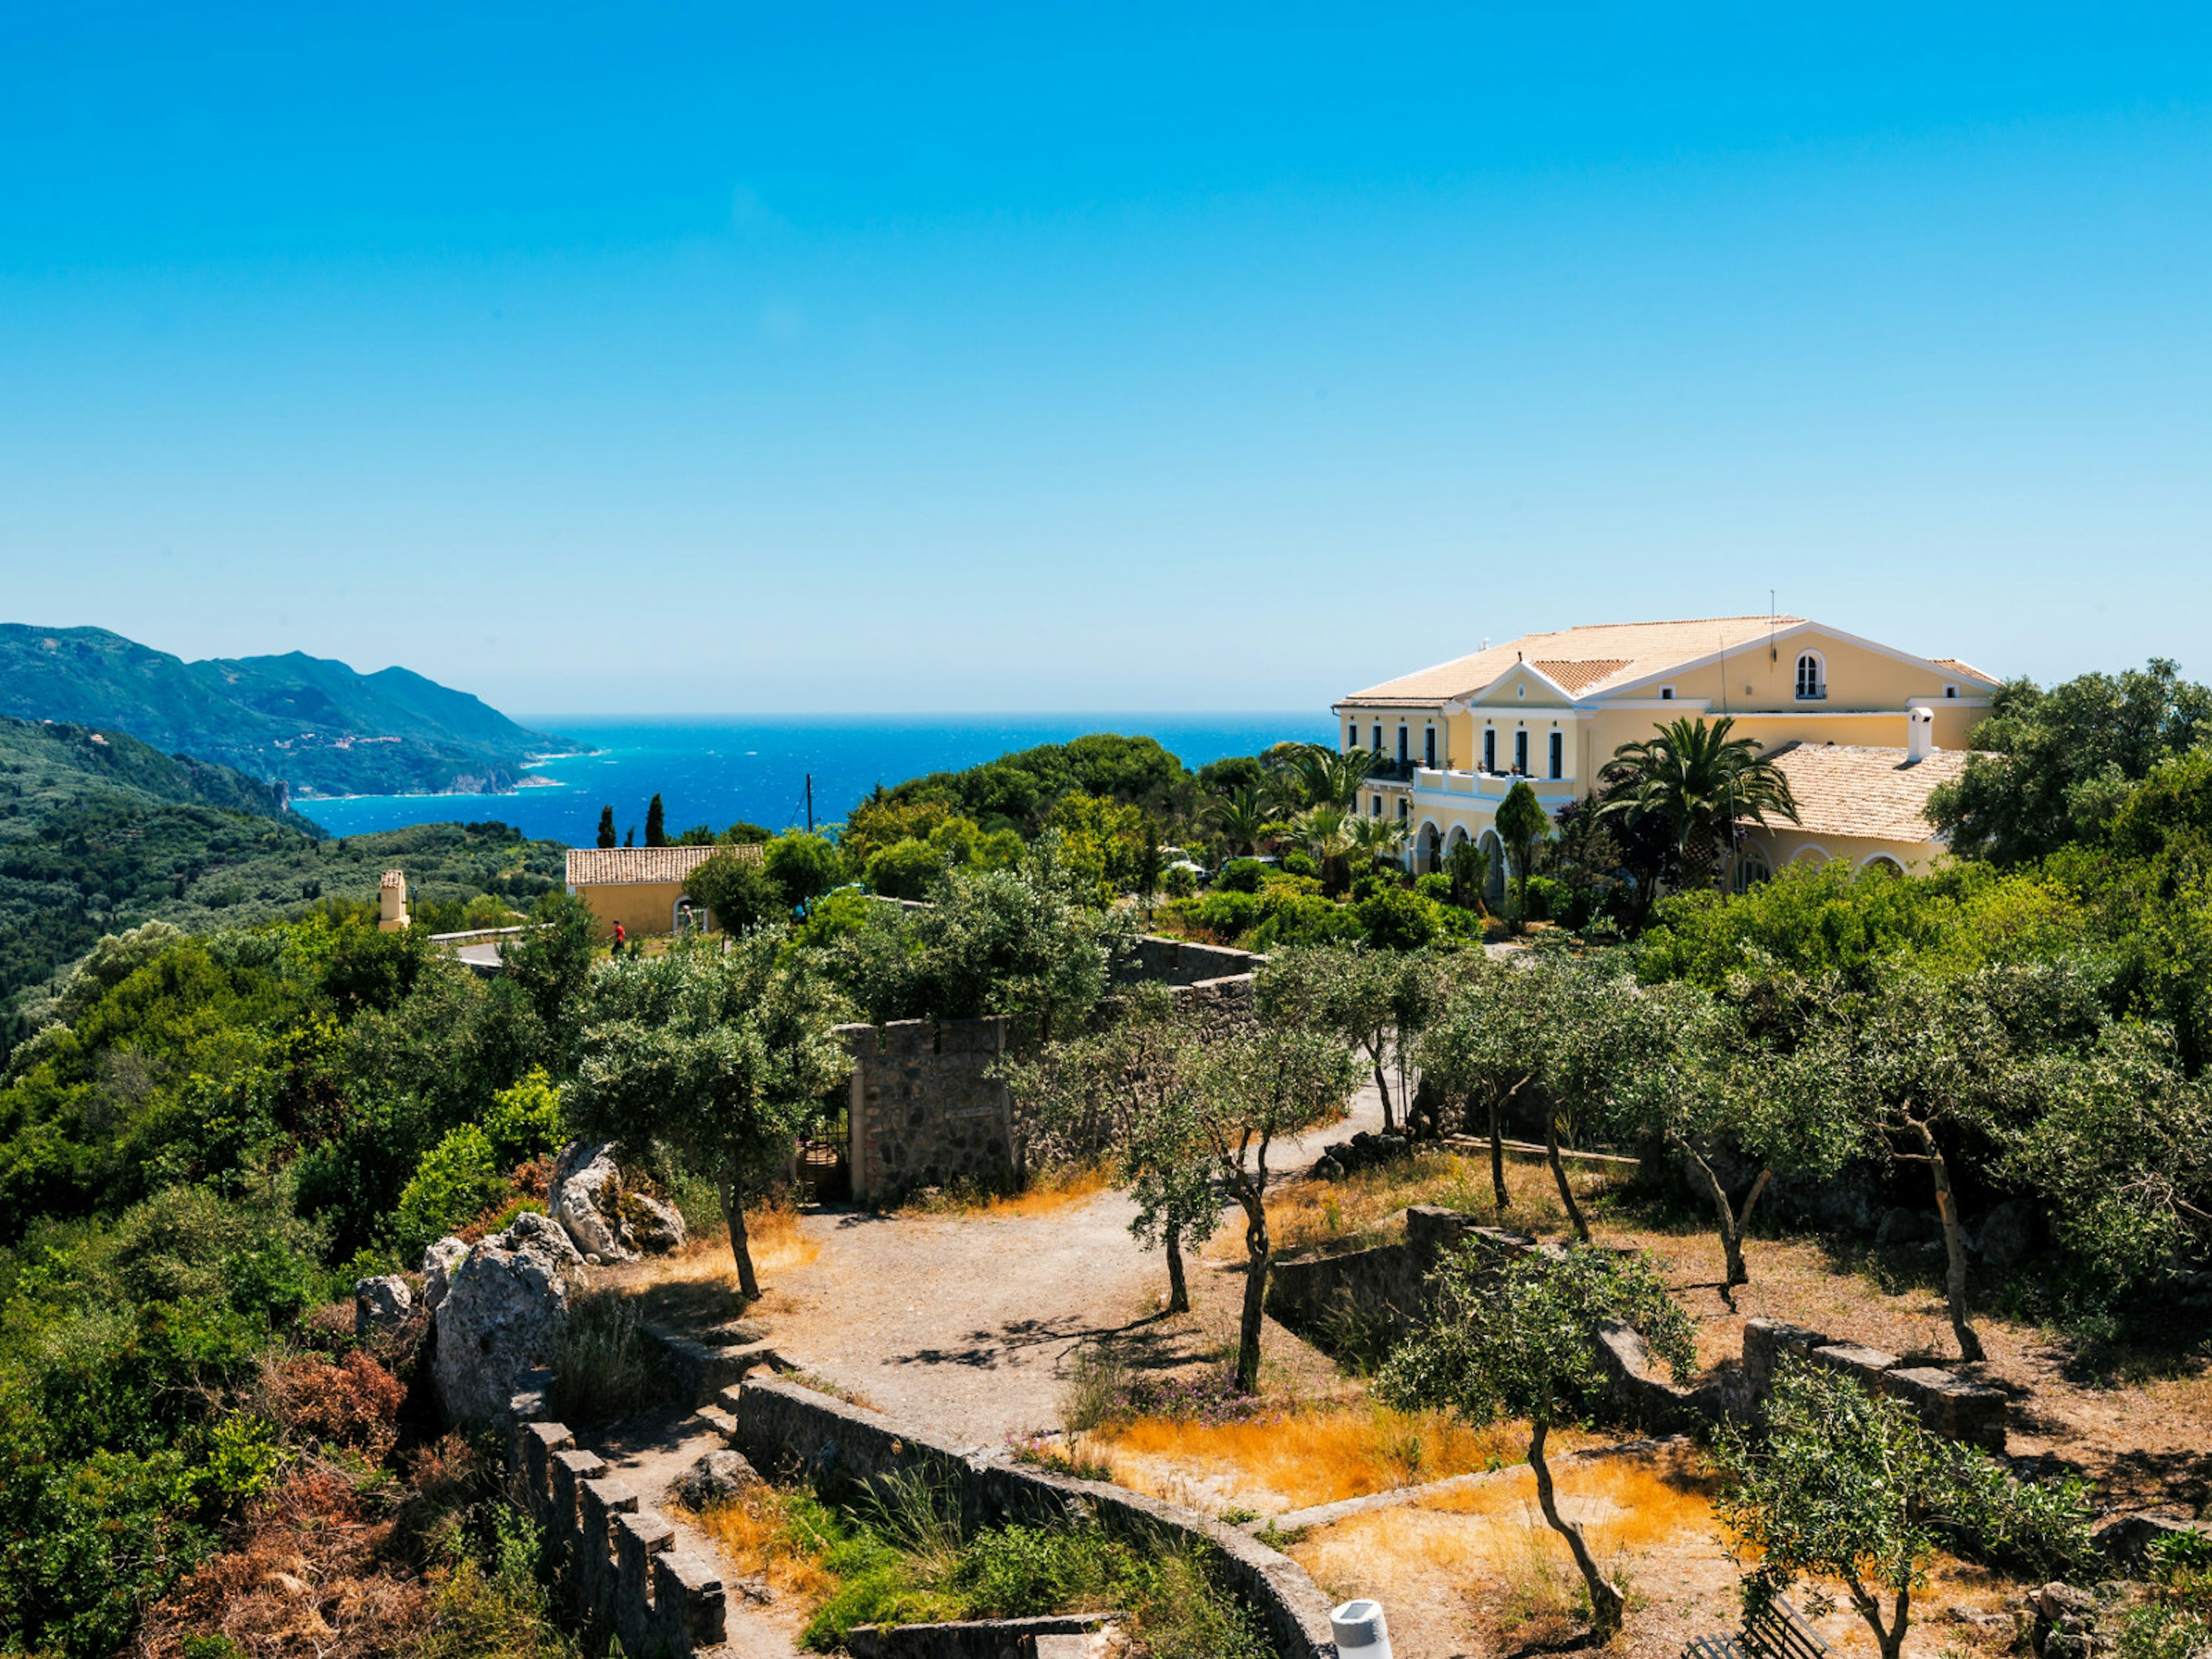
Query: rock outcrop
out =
(382, 1303)
(438, 1264)
(606, 1216)
(715, 1478)
(502, 1314)
(586, 1198)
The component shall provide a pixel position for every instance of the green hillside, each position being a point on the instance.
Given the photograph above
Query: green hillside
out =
(99, 832)
(317, 725)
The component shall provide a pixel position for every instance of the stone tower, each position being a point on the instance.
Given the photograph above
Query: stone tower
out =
(392, 902)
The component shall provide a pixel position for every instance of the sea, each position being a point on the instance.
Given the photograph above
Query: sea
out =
(716, 770)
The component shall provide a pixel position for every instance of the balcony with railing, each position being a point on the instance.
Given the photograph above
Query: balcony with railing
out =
(1491, 786)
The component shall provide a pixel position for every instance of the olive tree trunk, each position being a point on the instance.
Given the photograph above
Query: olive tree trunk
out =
(734, 1212)
(1954, 1239)
(1559, 1175)
(1178, 1290)
(1733, 1221)
(1889, 1637)
(1606, 1602)
(1497, 1154)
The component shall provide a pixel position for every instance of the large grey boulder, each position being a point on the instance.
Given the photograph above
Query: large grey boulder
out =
(717, 1477)
(503, 1315)
(586, 1198)
(438, 1264)
(655, 1227)
(382, 1303)
(606, 1216)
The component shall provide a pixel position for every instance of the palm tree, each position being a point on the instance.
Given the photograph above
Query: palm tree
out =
(1242, 816)
(1326, 832)
(1374, 840)
(1701, 783)
(1329, 777)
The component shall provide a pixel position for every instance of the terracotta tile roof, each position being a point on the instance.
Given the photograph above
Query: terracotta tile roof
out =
(1574, 676)
(624, 866)
(1582, 659)
(1876, 794)
(1966, 668)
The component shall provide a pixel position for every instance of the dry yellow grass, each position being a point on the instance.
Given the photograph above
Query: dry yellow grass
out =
(1309, 1457)
(1303, 1214)
(757, 1538)
(1048, 1194)
(1493, 1535)
(772, 1234)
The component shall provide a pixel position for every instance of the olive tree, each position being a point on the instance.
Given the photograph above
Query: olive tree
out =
(1570, 1037)
(1911, 1064)
(725, 1056)
(1251, 1085)
(1376, 1002)
(1516, 1336)
(1119, 1093)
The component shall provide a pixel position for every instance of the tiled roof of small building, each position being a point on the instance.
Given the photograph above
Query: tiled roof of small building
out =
(1873, 794)
(627, 867)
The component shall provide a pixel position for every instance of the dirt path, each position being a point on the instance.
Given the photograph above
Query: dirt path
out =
(963, 1324)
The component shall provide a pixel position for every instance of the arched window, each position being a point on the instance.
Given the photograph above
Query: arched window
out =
(1812, 676)
(1494, 881)
(1881, 864)
(1750, 869)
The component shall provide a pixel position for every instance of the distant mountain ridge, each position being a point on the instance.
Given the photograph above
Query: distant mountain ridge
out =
(311, 723)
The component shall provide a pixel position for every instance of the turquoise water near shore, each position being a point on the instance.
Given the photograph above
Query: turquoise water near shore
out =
(716, 770)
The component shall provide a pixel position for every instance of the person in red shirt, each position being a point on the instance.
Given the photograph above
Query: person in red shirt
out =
(619, 936)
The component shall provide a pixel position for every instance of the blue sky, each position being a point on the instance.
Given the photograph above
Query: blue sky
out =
(734, 358)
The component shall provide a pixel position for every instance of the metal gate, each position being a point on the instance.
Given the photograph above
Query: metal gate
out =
(825, 1171)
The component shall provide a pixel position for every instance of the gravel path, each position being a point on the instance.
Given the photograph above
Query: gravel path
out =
(964, 1324)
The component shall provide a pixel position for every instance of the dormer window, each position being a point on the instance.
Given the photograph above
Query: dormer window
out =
(1950, 690)
(1666, 694)
(1812, 677)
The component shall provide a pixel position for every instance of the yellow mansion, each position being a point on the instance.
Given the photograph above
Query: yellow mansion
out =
(1864, 732)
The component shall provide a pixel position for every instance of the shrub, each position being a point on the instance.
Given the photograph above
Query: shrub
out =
(456, 1182)
(1178, 882)
(1300, 863)
(1396, 920)
(1241, 876)
(905, 869)
(525, 1120)
(1435, 887)
(604, 1369)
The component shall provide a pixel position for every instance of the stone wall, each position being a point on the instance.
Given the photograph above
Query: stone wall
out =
(923, 1111)
(1355, 1294)
(630, 1581)
(785, 1430)
(1179, 962)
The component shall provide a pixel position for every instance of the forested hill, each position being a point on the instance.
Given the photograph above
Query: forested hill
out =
(313, 723)
(99, 832)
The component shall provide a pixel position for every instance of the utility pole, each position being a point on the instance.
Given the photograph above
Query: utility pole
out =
(810, 803)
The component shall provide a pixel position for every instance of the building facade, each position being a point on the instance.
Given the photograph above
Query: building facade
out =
(641, 887)
(1864, 731)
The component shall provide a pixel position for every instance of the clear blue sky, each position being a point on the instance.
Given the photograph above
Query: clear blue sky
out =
(644, 358)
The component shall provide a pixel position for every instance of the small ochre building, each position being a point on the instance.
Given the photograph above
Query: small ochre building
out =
(1864, 731)
(641, 887)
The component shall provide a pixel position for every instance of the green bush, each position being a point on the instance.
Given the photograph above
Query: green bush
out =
(525, 1121)
(1300, 863)
(1435, 887)
(1241, 876)
(456, 1182)
(1176, 881)
(1396, 920)
(905, 869)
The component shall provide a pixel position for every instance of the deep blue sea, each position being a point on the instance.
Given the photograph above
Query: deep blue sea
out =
(717, 770)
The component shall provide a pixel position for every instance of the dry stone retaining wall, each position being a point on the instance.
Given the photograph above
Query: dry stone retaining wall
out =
(1386, 1287)
(630, 1582)
(785, 1429)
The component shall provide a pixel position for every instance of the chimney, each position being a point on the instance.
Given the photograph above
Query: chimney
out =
(1919, 734)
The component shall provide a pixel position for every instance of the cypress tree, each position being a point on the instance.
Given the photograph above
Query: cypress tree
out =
(606, 826)
(656, 828)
